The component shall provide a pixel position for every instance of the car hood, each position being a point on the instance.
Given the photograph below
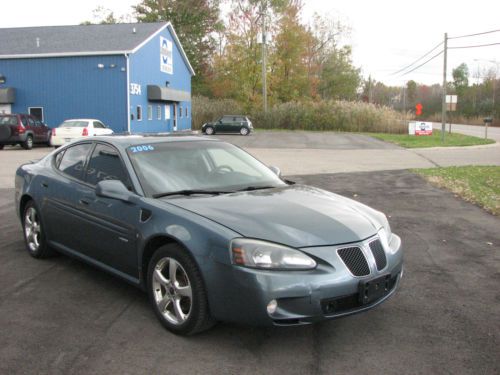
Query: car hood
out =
(296, 215)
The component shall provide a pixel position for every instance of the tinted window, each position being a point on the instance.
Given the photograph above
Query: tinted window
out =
(73, 160)
(23, 120)
(31, 121)
(74, 124)
(98, 125)
(105, 164)
(8, 120)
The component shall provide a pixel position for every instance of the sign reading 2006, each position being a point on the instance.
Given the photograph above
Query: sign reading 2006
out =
(166, 56)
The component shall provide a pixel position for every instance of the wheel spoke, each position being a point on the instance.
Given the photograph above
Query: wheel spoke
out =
(178, 311)
(163, 303)
(160, 278)
(184, 291)
(172, 270)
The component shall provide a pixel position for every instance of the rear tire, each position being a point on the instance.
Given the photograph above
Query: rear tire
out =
(177, 292)
(244, 131)
(34, 235)
(28, 143)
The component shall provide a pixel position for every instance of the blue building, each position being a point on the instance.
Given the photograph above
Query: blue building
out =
(133, 77)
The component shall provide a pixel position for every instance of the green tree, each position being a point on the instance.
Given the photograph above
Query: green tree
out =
(195, 22)
(461, 77)
(411, 93)
(339, 78)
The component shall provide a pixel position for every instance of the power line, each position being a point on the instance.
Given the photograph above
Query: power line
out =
(416, 61)
(469, 35)
(425, 62)
(475, 46)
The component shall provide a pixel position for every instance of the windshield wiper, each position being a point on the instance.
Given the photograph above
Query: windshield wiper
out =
(252, 188)
(191, 192)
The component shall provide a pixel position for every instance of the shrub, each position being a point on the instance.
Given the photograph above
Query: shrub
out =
(309, 115)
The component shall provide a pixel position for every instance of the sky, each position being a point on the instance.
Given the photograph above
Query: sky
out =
(386, 35)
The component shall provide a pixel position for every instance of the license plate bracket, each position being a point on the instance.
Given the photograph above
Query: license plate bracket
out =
(374, 289)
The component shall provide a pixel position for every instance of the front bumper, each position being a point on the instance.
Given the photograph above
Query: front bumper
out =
(303, 297)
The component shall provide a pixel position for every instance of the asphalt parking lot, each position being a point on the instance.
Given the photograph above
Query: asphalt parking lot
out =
(59, 316)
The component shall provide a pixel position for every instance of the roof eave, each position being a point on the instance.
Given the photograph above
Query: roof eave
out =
(62, 54)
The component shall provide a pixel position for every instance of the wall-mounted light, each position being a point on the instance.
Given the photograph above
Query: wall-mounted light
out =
(100, 66)
(112, 65)
(2, 78)
(123, 69)
(167, 83)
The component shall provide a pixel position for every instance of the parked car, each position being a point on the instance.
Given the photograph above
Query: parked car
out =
(77, 128)
(22, 129)
(229, 124)
(210, 233)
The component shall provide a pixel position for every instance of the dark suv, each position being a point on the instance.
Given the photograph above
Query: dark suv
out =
(22, 129)
(229, 124)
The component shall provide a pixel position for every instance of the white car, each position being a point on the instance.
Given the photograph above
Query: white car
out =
(77, 128)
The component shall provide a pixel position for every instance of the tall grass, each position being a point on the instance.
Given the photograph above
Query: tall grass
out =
(317, 115)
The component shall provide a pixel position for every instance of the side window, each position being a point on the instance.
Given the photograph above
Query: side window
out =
(98, 125)
(150, 112)
(73, 160)
(24, 121)
(158, 112)
(139, 113)
(38, 123)
(180, 111)
(187, 112)
(31, 122)
(105, 164)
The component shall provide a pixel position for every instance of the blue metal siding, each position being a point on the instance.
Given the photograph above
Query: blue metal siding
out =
(70, 87)
(144, 71)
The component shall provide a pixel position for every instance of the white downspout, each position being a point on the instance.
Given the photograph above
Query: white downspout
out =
(128, 92)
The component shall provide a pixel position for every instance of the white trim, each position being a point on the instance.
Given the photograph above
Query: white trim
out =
(142, 114)
(128, 91)
(144, 42)
(158, 112)
(62, 54)
(43, 112)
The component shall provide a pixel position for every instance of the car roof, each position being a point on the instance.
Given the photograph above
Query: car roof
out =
(82, 119)
(124, 141)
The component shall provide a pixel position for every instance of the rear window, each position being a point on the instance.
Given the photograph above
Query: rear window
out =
(73, 124)
(8, 120)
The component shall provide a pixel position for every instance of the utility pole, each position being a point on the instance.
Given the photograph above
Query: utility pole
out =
(264, 53)
(443, 110)
(404, 105)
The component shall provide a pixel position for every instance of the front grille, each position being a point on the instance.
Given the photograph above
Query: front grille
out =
(354, 260)
(379, 254)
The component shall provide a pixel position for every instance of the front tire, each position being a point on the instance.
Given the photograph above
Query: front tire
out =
(244, 131)
(177, 292)
(28, 143)
(34, 236)
(209, 130)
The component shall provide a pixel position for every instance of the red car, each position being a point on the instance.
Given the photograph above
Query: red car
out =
(24, 130)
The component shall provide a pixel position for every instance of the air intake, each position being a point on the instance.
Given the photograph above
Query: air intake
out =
(355, 260)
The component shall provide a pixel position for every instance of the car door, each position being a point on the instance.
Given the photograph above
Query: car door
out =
(109, 225)
(37, 135)
(225, 125)
(63, 192)
(44, 130)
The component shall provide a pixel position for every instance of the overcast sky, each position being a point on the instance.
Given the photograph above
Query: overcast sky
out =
(386, 34)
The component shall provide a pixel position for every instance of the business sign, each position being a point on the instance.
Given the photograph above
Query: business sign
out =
(135, 89)
(451, 102)
(166, 56)
(420, 128)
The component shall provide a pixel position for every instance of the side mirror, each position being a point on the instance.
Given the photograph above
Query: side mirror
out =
(113, 189)
(275, 170)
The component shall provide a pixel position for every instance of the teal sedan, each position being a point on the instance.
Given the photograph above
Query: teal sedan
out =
(209, 232)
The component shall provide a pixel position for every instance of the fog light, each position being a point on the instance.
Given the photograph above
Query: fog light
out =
(272, 306)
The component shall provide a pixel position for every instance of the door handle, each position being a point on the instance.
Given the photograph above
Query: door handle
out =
(84, 202)
(45, 185)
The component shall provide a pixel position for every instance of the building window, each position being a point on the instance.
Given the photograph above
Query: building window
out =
(158, 112)
(167, 112)
(150, 112)
(187, 112)
(139, 113)
(36, 112)
(180, 111)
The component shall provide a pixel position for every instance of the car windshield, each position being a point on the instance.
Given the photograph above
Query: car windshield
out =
(200, 166)
(73, 124)
(8, 120)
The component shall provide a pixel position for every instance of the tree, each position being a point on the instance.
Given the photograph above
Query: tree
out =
(102, 15)
(461, 77)
(339, 78)
(195, 22)
(411, 93)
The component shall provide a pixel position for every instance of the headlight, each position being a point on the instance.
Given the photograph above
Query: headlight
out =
(268, 255)
(385, 233)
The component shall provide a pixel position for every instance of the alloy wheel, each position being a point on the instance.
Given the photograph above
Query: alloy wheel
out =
(32, 229)
(172, 291)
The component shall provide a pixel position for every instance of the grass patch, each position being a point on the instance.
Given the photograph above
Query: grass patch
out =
(476, 184)
(434, 140)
